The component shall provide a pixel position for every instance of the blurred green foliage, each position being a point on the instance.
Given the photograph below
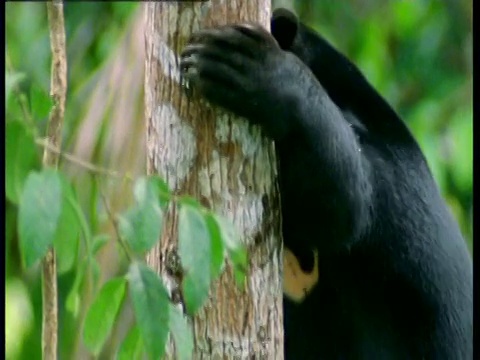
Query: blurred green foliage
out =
(418, 54)
(94, 30)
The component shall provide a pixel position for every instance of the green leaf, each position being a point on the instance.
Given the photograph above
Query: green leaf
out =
(151, 306)
(82, 221)
(14, 110)
(102, 314)
(95, 271)
(68, 231)
(40, 102)
(182, 334)
(38, 214)
(235, 249)
(11, 79)
(217, 248)
(22, 156)
(239, 274)
(72, 303)
(190, 201)
(98, 242)
(90, 269)
(132, 346)
(194, 248)
(164, 193)
(141, 226)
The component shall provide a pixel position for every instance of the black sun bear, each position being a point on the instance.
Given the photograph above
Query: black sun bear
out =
(382, 270)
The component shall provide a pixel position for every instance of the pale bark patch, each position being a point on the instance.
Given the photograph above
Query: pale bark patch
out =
(175, 156)
(167, 58)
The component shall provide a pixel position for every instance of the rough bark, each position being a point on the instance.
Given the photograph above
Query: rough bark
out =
(231, 168)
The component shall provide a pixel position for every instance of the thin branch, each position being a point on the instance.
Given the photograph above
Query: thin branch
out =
(82, 163)
(114, 223)
(58, 91)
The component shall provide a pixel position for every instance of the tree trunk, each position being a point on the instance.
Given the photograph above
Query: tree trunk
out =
(231, 168)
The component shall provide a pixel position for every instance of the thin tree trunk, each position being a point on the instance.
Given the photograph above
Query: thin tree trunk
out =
(231, 168)
(58, 92)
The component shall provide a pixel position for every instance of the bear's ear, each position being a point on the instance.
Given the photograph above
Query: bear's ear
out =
(284, 27)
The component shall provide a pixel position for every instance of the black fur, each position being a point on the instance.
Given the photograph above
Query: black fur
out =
(395, 276)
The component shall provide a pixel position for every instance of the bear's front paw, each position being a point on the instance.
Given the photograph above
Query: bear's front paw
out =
(229, 66)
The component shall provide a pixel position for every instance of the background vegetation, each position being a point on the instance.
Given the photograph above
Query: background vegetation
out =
(418, 54)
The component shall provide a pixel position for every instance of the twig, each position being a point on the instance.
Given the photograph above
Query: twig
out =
(114, 223)
(82, 163)
(58, 91)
